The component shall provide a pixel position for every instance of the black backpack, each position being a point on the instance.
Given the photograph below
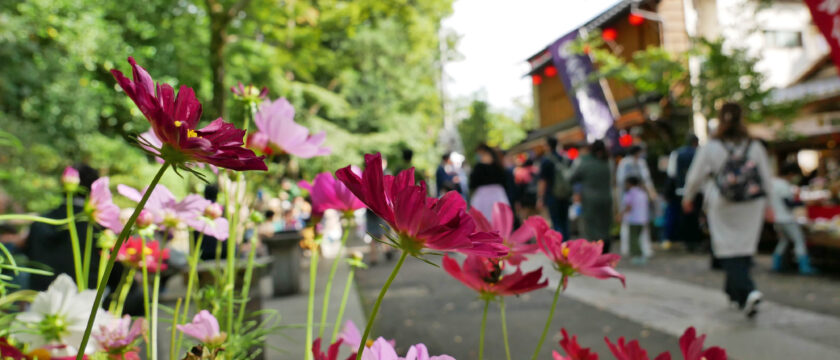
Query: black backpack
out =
(562, 188)
(739, 180)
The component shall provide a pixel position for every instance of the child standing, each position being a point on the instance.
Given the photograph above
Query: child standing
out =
(786, 227)
(635, 212)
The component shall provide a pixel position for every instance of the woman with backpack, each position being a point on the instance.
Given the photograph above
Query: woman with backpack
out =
(734, 172)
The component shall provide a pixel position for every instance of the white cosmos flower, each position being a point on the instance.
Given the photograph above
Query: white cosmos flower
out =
(58, 316)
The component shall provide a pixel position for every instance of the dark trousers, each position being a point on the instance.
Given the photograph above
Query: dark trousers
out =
(739, 283)
(688, 228)
(636, 240)
(558, 211)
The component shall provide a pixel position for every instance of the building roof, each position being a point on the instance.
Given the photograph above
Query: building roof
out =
(816, 89)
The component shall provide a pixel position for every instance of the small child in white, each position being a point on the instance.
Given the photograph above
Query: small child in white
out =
(786, 227)
(636, 212)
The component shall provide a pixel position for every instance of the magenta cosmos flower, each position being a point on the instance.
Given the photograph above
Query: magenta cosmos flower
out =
(118, 335)
(332, 351)
(488, 278)
(204, 328)
(101, 208)
(516, 241)
(420, 221)
(132, 253)
(329, 193)
(277, 132)
(174, 120)
(692, 347)
(575, 256)
(632, 351)
(573, 349)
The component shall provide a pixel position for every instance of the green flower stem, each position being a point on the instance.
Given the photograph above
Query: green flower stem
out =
(231, 256)
(341, 307)
(173, 335)
(118, 301)
(328, 290)
(88, 251)
(504, 327)
(74, 243)
(155, 301)
(378, 303)
(147, 310)
(104, 254)
(40, 219)
(100, 290)
(191, 278)
(481, 333)
(246, 279)
(310, 308)
(550, 316)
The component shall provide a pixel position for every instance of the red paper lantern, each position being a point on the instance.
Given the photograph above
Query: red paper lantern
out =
(635, 20)
(572, 153)
(609, 34)
(550, 71)
(625, 140)
(536, 79)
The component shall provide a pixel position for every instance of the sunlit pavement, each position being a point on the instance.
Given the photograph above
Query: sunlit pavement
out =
(660, 301)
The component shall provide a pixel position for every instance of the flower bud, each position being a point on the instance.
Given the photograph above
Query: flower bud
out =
(213, 211)
(356, 255)
(70, 179)
(257, 217)
(107, 239)
(144, 219)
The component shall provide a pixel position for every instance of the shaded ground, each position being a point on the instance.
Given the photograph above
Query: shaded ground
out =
(815, 293)
(426, 305)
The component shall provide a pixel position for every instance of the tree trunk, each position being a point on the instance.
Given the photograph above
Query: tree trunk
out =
(218, 40)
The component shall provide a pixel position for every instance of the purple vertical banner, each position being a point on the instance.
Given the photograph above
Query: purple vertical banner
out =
(586, 94)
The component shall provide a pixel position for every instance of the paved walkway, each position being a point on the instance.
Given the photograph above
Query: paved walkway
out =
(670, 306)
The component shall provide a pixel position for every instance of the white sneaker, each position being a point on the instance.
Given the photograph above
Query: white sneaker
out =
(753, 300)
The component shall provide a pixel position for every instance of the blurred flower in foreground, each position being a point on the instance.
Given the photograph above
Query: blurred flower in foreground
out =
(133, 254)
(692, 347)
(118, 336)
(329, 193)
(8, 351)
(332, 351)
(211, 222)
(573, 349)
(420, 221)
(277, 132)
(632, 351)
(575, 256)
(487, 277)
(204, 328)
(57, 317)
(100, 206)
(174, 120)
(516, 241)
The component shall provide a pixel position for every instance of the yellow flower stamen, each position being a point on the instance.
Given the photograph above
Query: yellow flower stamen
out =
(178, 123)
(147, 251)
(131, 251)
(369, 343)
(191, 133)
(565, 252)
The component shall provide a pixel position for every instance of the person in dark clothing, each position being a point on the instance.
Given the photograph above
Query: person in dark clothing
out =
(445, 181)
(686, 225)
(558, 208)
(592, 172)
(487, 181)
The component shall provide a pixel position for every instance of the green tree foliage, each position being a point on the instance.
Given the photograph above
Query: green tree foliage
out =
(493, 128)
(365, 71)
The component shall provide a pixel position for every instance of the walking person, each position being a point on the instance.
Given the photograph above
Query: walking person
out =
(554, 192)
(786, 226)
(487, 181)
(592, 173)
(686, 226)
(636, 213)
(634, 165)
(734, 173)
(444, 179)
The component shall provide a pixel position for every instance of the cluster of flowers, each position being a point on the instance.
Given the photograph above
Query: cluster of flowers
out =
(691, 347)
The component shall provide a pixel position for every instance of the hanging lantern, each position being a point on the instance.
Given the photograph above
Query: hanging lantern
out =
(625, 140)
(635, 19)
(609, 34)
(572, 153)
(550, 71)
(536, 79)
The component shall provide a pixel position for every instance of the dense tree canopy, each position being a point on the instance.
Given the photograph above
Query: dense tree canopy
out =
(366, 71)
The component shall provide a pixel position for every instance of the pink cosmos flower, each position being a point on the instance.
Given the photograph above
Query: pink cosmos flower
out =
(486, 276)
(573, 349)
(204, 328)
(420, 221)
(328, 193)
(174, 120)
(118, 335)
(101, 208)
(632, 351)
(211, 222)
(279, 133)
(7, 351)
(575, 256)
(332, 351)
(132, 253)
(516, 241)
(168, 212)
(249, 92)
(692, 347)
